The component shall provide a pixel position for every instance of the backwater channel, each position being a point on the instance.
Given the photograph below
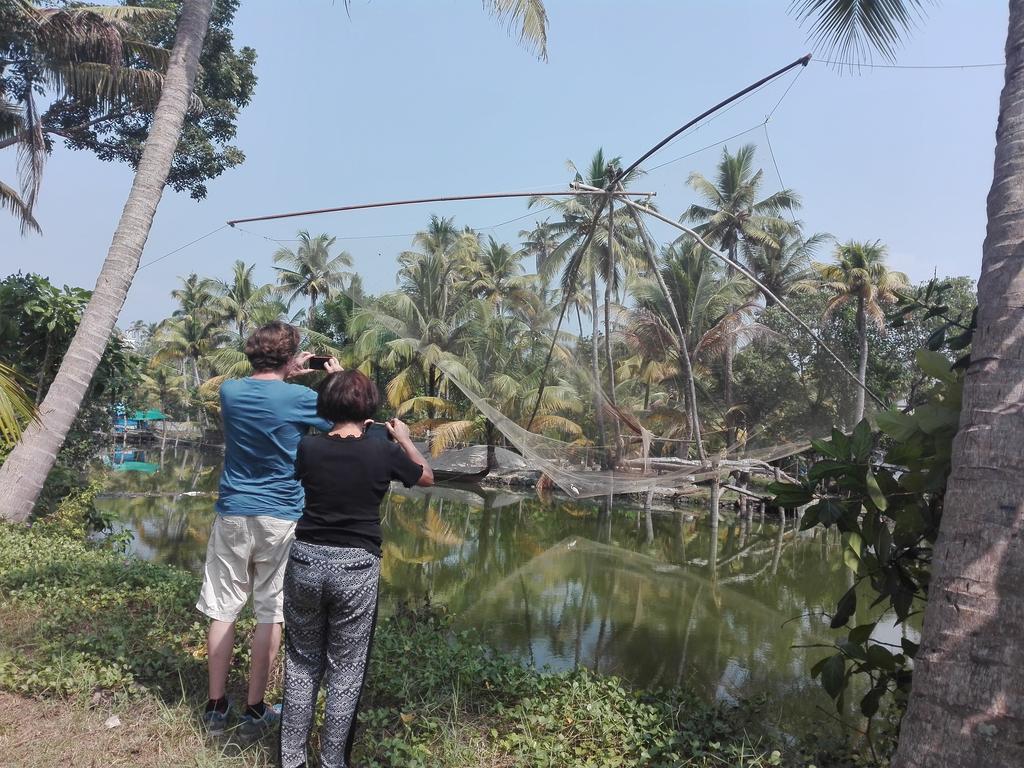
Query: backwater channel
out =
(567, 584)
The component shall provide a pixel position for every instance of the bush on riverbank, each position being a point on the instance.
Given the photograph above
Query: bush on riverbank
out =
(82, 623)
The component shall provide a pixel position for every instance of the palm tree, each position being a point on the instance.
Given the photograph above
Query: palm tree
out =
(422, 322)
(24, 472)
(79, 55)
(497, 276)
(596, 241)
(784, 264)
(311, 271)
(859, 275)
(732, 214)
(713, 307)
(161, 386)
(241, 299)
(494, 360)
(193, 331)
(540, 244)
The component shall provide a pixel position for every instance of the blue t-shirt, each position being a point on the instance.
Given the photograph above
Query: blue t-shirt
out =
(264, 419)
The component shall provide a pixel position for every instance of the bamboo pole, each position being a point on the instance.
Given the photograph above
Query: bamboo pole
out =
(422, 200)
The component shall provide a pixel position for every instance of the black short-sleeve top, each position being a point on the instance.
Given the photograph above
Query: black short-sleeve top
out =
(345, 480)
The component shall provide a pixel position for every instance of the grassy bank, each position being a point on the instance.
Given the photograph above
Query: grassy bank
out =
(87, 634)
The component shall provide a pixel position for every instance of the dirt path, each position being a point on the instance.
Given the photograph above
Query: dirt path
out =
(147, 734)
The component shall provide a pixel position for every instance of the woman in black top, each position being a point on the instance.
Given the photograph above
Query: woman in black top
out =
(330, 587)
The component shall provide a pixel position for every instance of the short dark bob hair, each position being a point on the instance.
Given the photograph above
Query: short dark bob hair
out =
(272, 346)
(347, 396)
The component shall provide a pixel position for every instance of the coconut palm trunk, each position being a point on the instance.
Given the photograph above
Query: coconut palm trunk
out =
(25, 470)
(689, 387)
(595, 365)
(966, 707)
(727, 360)
(862, 361)
(610, 270)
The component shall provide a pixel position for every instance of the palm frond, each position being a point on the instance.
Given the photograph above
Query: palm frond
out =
(12, 201)
(450, 433)
(423, 403)
(16, 407)
(848, 30)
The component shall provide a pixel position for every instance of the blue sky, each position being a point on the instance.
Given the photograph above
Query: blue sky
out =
(407, 99)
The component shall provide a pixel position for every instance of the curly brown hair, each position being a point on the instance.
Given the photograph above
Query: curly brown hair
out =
(347, 396)
(271, 346)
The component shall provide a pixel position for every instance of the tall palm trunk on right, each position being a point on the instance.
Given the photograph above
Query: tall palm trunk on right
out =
(24, 472)
(966, 707)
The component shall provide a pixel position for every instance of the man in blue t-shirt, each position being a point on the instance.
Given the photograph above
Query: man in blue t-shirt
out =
(258, 503)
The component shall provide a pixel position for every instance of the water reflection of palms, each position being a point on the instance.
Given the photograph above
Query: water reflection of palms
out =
(614, 603)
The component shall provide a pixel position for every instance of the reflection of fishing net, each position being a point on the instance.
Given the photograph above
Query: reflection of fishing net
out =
(576, 468)
(570, 557)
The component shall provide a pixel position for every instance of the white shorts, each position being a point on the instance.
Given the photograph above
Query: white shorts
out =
(247, 554)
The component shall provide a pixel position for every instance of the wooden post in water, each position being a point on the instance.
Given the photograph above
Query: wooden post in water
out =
(716, 494)
(778, 540)
(647, 515)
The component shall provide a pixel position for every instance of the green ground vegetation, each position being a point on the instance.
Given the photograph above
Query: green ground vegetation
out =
(102, 634)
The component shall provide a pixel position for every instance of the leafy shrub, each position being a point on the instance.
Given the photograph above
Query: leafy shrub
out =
(888, 510)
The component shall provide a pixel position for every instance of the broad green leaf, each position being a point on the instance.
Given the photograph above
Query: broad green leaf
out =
(880, 657)
(862, 633)
(875, 493)
(833, 674)
(935, 364)
(830, 511)
(851, 552)
(828, 448)
(828, 468)
(809, 518)
(909, 647)
(790, 495)
(844, 610)
(902, 600)
(869, 704)
(933, 417)
(898, 425)
(861, 441)
(841, 443)
(936, 338)
(818, 666)
(914, 482)
(883, 543)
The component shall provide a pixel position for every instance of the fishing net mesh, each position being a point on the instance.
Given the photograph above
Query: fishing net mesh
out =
(577, 468)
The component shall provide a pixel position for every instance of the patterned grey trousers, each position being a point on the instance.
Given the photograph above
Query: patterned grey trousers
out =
(330, 609)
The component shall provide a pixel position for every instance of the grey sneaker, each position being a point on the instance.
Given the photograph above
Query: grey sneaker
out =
(217, 722)
(256, 727)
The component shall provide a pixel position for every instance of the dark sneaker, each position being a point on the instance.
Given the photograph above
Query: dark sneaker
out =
(216, 722)
(256, 727)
